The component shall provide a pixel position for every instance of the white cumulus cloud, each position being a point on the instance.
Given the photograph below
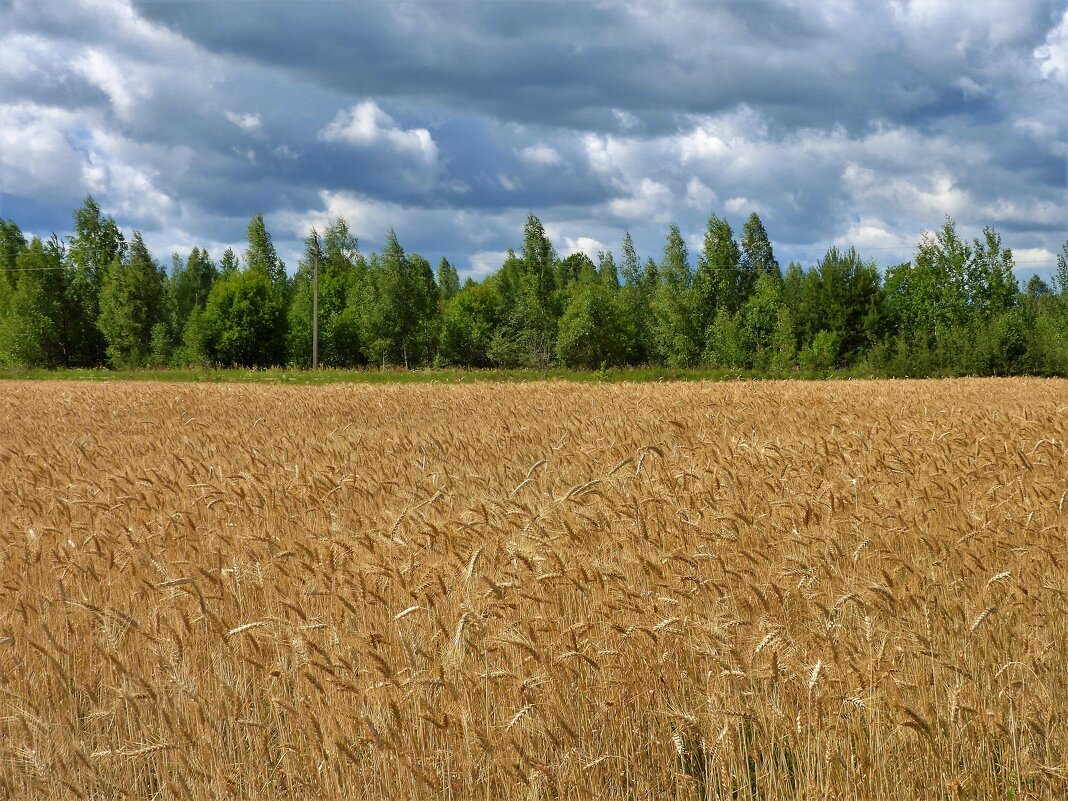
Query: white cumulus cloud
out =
(540, 156)
(1052, 57)
(249, 123)
(367, 125)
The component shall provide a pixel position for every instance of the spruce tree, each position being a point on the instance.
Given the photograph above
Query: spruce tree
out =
(229, 263)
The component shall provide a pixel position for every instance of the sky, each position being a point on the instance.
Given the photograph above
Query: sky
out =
(838, 122)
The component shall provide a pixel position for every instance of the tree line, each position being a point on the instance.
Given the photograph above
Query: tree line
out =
(98, 299)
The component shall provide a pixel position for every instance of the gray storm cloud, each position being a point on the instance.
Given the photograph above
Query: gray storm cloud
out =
(837, 122)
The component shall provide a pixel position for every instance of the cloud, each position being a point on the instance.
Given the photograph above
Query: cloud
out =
(38, 150)
(1030, 258)
(366, 125)
(367, 218)
(122, 87)
(1052, 56)
(583, 244)
(743, 206)
(874, 238)
(484, 262)
(648, 200)
(540, 156)
(626, 120)
(249, 123)
(834, 121)
(699, 196)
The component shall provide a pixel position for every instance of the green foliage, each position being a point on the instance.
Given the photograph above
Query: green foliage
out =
(718, 281)
(954, 309)
(1002, 345)
(161, 347)
(468, 324)
(448, 280)
(758, 257)
(675, 268)
(131, 304)
(576, 267)
(632, 266)
(191, 284)
(261, 257)
(636, 308)
(96, 245)
(243, 323)
(607, 272)
(526, 336)
(759, 319)
(782, 354)
(406, 297)
(821, 355)
(32, 324)
(675, 333)
(190, 350)
(229, 263)
(12, 243)
(538, 261)
(592, 331)
(951, 287)
(341, 270)
(725, 342)
(1060, 281)
(838, 296)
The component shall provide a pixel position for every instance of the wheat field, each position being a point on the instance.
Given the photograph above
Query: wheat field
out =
(757, 590)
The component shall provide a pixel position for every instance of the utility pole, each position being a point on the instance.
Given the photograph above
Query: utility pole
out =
(315, 300)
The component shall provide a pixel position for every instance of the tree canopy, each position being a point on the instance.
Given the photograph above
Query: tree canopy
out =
(101, 298)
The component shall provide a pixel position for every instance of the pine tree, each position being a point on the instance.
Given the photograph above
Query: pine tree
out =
(229, 263)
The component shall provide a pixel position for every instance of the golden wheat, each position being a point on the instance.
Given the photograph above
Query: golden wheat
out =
(749, 590)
